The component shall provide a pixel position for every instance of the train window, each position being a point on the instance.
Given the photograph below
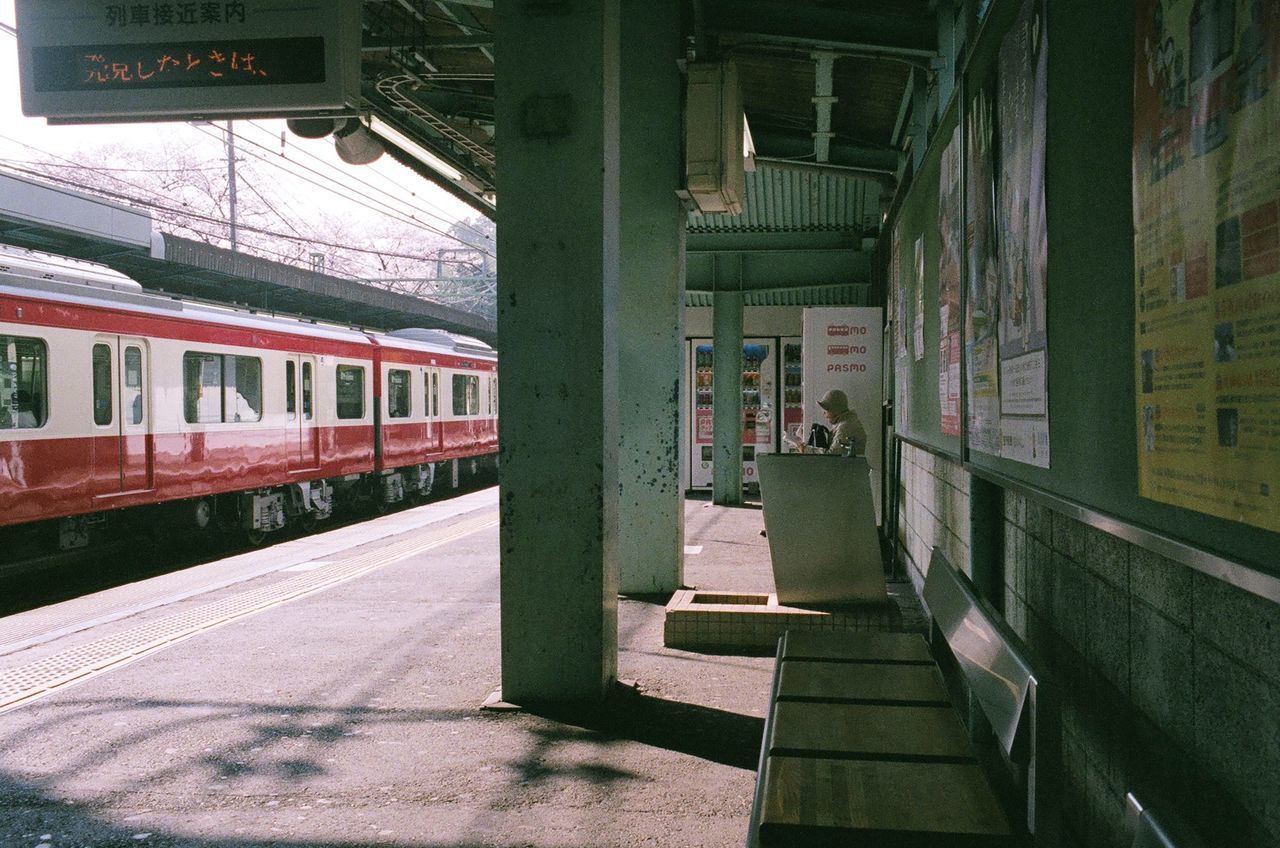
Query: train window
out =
(202, 393)
(435, 395)
(466, 394)
(101, 384)
(133, 384)
(23, 385)
(291, 389)
(306, 391)
(350, 391)
(399, 404)
(243, 375)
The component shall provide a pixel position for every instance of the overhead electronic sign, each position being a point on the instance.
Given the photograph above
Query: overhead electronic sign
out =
(84, 61)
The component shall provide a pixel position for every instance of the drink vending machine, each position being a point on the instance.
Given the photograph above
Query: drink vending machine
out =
(763, 396)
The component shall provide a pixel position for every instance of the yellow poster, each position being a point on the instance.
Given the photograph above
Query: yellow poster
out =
(1206, 165)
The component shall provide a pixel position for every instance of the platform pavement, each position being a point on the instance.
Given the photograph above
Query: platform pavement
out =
(350, 717)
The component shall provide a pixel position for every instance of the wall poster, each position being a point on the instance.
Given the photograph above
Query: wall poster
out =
(1206, 165)
(949, 225)
(917, 282)
(1022, 250)
(899, 294)
(901, 362)
(982, 315)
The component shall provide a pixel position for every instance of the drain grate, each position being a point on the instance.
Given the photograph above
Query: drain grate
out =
(23, 684)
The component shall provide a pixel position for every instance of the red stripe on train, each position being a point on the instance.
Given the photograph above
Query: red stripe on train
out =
(53, 478)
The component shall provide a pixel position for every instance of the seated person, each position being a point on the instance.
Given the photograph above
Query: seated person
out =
(847, 436)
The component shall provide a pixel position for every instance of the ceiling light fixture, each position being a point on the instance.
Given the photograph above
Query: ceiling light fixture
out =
(417, 151)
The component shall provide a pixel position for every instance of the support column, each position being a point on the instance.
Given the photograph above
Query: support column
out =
(651, 303)
(726, 398)
(558, 200)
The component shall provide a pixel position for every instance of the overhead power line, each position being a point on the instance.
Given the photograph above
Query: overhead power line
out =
(439, 214)
(214, 220)
(359, 201)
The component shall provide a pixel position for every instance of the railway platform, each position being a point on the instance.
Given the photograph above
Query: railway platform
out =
(328, 691)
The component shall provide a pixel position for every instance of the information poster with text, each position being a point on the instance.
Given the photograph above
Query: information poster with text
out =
(1206, 165)
(949, 226)
(917, 287)
(982, 310)
(1022, 252)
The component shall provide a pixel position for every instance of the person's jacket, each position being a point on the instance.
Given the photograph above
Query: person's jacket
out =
(847, 436)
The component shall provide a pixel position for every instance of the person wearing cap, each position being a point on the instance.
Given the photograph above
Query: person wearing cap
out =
(847, 436)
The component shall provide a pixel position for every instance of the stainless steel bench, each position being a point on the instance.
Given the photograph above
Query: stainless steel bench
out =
(1153, 828)
(864, 745)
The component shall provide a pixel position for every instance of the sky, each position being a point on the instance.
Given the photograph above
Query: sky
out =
(306, 177)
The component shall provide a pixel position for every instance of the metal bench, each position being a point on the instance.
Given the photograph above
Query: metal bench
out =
(863, 743)
(1157, 829)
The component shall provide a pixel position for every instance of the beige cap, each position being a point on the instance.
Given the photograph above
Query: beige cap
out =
(835, 401)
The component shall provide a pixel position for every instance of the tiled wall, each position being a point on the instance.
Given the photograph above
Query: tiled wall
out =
(933, 510)
(1170, 679)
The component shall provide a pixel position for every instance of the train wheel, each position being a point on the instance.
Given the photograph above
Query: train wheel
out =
(255, 538)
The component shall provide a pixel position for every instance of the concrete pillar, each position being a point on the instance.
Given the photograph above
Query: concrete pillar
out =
(651, 302)
(558, 201)
(726, 398)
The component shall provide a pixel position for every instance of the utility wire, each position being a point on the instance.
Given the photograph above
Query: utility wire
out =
(442, 216)
(172, 210)
(391, 213)
(202, 168)
(269, 205)
(213, 220)
(385, 210)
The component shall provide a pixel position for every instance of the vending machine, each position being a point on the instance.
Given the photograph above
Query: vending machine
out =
(761, 421)
(792, 394)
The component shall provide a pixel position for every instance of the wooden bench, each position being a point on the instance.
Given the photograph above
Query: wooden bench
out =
(864, 744)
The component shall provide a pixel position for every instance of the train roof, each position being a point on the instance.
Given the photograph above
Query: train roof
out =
(420, 338)
(31, 273)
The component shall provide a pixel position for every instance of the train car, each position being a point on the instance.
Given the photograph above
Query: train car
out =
(439, 401)
(114, 401)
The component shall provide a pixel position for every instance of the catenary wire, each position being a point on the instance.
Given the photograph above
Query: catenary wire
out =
(439, 214)
(219, 221)
(359, 201)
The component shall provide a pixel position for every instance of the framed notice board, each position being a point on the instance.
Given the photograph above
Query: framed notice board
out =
(1091, 379)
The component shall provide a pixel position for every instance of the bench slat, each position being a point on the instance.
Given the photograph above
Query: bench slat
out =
(869, 730)
(872, 802)
(916, 684)
(868, 646)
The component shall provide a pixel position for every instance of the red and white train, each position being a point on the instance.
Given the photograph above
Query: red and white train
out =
(112, 399)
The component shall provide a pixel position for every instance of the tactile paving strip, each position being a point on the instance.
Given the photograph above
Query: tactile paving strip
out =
(23, 684)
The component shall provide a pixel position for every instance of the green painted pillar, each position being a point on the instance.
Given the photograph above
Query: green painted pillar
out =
(726, 398)
(558, 230)
(651, 302)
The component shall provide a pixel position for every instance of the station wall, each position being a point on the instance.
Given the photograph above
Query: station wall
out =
(1169, 676)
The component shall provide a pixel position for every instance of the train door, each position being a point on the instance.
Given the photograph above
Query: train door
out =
(137, 445)
(300, 403)
(123, 449)
(435, 427)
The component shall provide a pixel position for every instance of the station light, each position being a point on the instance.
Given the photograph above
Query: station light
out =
(400, 140)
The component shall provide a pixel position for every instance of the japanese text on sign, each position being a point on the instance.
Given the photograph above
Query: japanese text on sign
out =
(173, 14)
(180, 64)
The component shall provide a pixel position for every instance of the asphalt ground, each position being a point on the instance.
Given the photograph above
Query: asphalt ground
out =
(348, 714)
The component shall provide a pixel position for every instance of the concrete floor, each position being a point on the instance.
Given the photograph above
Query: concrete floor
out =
(351, 717)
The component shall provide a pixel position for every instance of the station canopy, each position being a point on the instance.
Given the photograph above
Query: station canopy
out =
(823, 85)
